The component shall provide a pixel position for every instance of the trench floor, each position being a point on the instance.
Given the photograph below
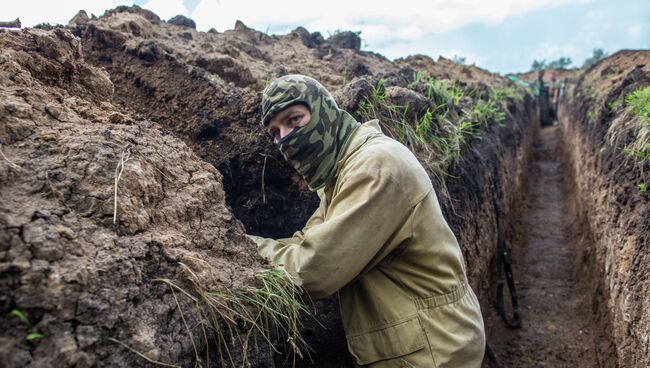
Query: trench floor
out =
(554, 293)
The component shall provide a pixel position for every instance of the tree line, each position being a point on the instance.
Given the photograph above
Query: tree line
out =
(565, 62)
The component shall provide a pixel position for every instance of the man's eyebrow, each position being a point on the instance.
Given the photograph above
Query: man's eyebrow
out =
(288, 113)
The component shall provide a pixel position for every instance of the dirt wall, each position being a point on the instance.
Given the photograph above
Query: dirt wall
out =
(72, 279)
(612, 205)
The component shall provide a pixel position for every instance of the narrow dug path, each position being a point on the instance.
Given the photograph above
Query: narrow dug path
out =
(553, 290)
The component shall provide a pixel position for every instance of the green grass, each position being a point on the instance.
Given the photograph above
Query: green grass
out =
(444, 92)
(273, 305)
(484, 112)
(615, 105)
(592, 116)
(440, 134)
(630, 130)
(639, 103)
(504, 94)
(643, 187)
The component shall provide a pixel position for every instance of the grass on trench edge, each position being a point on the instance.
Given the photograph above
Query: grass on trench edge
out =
(271, 309)
(633, 126)
(454, 119)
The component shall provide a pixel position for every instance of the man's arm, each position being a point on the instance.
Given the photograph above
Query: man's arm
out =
(360, 220)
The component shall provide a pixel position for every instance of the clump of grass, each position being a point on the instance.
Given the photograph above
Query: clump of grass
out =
(454, 118)
(630, 130)
(444, 92)
(275, 303)
(504, 94)
(643, 187)
(639, 103)
(615, 104)
(215, 78)
(484, 112)
(592, 116)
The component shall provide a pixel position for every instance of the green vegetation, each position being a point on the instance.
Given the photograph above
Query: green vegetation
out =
(564, 62)
(460, 60)
(455, 116)
(643, 187)
(515, 94)
(615, 104)
(639, 102)
(485, 111)
(592, 116)
(31, 334)
(630, 130)
(560, 63)
(274, 305)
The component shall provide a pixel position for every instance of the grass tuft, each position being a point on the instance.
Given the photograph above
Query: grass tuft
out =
(454, 118)
(273, 306)
(630, 130)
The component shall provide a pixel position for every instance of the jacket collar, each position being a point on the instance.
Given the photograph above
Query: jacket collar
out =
(366, 131)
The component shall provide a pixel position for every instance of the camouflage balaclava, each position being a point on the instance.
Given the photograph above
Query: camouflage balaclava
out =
(314, 149)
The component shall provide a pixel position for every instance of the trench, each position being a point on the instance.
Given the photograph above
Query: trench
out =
(551, 269)
(265, 194)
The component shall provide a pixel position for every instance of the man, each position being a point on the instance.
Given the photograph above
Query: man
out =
(378, 236)
(544, 100)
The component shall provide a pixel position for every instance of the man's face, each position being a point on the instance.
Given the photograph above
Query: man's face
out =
(286, 120)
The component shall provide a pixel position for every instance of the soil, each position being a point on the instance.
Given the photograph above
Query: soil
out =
(614, 208)
(80, 277)
(558, 329)
(202, 173)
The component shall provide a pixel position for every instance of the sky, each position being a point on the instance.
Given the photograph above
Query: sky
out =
(503, 36)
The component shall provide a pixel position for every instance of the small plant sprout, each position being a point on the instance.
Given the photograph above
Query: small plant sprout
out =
(643, 187)
(119, 169)
(32, 335)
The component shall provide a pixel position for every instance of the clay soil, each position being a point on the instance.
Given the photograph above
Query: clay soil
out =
(558, 326)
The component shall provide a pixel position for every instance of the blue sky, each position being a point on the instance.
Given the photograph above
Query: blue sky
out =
(499, 35)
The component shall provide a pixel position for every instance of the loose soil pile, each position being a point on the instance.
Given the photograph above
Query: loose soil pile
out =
(76, 276)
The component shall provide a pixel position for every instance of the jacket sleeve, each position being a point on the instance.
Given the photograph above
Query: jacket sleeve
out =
(362, 217)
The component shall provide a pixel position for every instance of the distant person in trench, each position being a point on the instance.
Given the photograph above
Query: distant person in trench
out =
(543, 100)
(378, 237)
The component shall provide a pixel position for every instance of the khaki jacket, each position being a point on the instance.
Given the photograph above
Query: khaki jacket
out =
(380, 240)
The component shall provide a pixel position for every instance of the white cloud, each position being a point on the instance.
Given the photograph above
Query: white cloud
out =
(35, 12)
(380, 22)
(638, 32)
(555, 51)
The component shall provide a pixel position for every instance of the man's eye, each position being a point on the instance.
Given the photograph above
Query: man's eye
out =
(296, 119)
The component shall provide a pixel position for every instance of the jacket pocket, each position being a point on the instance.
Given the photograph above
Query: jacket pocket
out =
(386, 342)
